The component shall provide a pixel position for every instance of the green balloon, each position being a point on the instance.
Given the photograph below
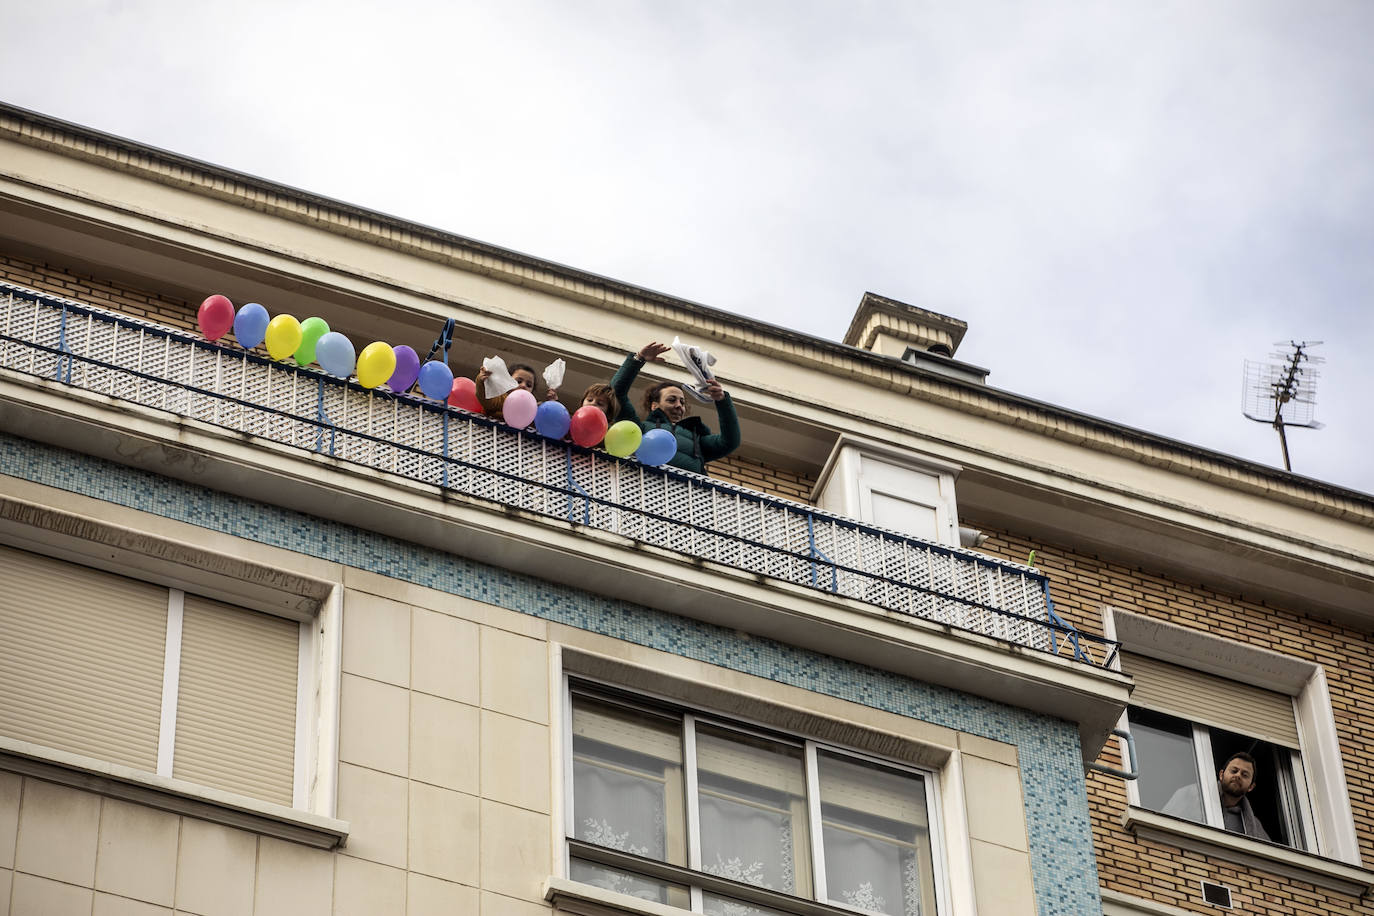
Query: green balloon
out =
(312, 329)
(623, 438)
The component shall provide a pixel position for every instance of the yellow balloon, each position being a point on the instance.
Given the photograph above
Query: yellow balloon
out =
(376, 364)
(623, 438)
(283, 336)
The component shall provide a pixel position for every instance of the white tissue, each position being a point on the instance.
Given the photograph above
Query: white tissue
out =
(500, 381)
(553, 374)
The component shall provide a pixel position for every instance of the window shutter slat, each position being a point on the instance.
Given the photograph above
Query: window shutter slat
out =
(236, 705)
(81, 656)
(1211, 700)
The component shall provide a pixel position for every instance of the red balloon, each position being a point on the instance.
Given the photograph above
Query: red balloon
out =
(588, 426)
(464, 395)
(216, 317)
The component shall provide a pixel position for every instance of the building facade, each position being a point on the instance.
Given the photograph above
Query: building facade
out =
(276, 643)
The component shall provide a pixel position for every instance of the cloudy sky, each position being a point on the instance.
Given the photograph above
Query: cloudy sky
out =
(1124, 200)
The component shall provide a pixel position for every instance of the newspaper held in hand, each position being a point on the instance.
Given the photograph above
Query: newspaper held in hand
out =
(553, 374)
(699, 363)
(500, 381)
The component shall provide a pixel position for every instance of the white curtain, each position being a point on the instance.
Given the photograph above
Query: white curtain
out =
(876, 837)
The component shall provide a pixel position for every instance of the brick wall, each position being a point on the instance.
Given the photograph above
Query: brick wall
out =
(1080, 585)
(759, 476)
(117, 297)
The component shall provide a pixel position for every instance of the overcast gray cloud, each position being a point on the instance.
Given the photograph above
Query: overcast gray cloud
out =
(1124, 200)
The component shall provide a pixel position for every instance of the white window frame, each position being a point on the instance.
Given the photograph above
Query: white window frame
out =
(690, 718)
(857, 469)
(1328, 820)
(1295, 807)
(304, 750)
(143, 556)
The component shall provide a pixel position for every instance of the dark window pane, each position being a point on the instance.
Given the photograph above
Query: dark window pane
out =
(1168, 765)
(1273, 774)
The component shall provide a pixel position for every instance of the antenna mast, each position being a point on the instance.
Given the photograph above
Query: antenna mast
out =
(1283, 394)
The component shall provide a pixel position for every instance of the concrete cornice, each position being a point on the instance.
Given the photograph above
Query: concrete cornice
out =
(207, 180)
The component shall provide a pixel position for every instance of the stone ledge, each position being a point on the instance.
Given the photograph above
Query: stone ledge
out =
(176, 796)
(1256, 854)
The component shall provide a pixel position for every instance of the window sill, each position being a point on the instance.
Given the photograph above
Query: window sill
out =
(174, 795)
(1269, 857)
(577, 899)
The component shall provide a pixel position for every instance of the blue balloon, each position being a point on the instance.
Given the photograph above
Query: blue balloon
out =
(436, 380)
(552, 420)
(250, 325)
(657, 446)
(335, 354)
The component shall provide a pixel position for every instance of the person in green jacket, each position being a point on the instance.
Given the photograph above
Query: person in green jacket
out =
(665, 407)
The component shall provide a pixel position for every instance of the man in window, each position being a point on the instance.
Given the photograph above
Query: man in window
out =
(1234, 781)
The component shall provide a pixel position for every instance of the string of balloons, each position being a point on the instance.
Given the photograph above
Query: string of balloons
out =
(400, 369)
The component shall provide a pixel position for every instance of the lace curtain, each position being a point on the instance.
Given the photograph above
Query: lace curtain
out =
(876, 835)
(753, 813)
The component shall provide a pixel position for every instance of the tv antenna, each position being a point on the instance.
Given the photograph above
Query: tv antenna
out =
(1283, 394)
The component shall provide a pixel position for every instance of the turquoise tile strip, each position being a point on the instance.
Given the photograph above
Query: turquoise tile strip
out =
(1056, 801)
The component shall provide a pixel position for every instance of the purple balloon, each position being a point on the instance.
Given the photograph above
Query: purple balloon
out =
(407, 369)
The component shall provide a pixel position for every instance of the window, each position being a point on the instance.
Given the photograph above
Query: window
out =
(1179, 762)
(728, 820)
(1187, 724)
(1197, 699)
(150, 678)
(892, 490)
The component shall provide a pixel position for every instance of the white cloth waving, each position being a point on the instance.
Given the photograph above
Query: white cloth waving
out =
(699, 363)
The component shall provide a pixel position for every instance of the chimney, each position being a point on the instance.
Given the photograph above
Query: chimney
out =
(911, 334)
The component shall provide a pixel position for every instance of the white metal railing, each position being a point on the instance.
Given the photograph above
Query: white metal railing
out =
(169, 370)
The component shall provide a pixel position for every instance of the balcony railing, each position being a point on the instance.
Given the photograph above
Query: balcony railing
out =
(423, 440)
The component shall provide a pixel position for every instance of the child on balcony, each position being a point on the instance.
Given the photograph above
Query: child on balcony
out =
(524, 378)
(603, 398)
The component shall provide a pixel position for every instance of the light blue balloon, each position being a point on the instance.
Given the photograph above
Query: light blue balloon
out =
(436, 380)
(250, 325)
(552, 420)
(657, 446)
(335, 354)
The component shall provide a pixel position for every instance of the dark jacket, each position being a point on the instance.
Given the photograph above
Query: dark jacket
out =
(696, 444)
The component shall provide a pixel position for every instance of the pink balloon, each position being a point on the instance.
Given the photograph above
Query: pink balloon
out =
(216, 317)
(520, 408)
(588, 426)
(464, 395)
